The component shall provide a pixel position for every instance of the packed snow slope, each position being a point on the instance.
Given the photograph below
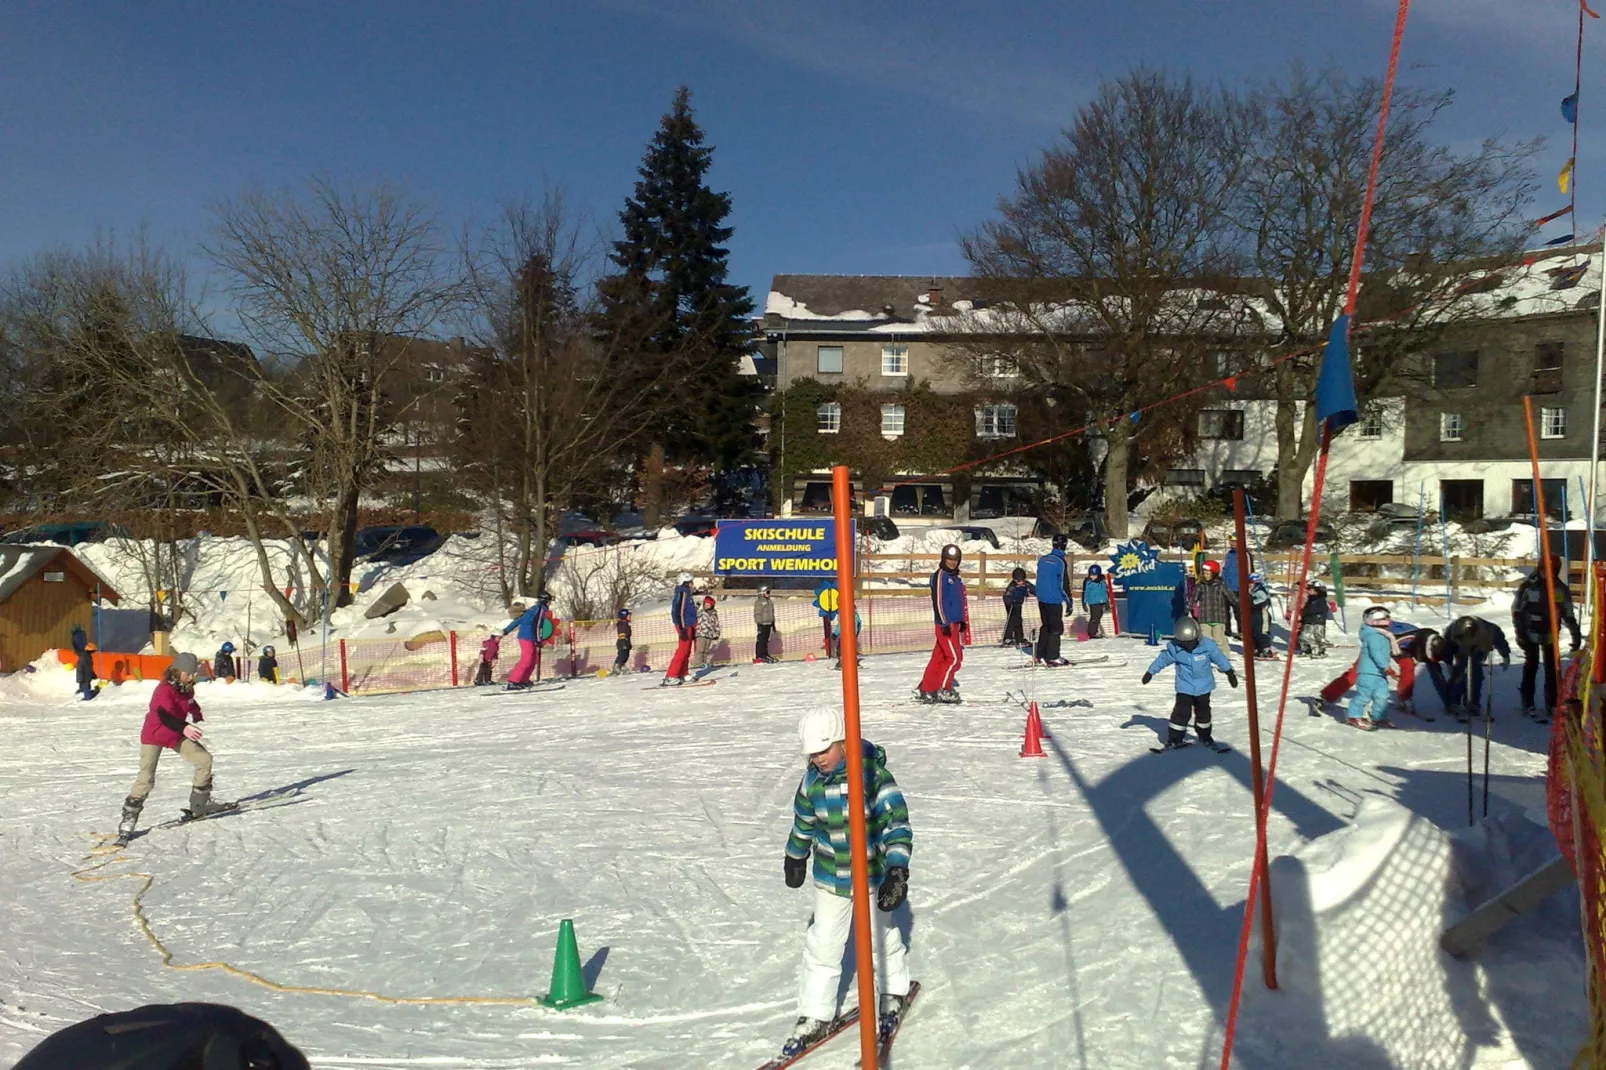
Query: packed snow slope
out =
(1077, 910)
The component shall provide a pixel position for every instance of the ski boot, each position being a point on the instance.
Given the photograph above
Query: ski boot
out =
(525, 686)
(671, 681)
(926, 698)
(891, 1015)
(131, 809)
(201, 804)
(1528, 711)
(807, 1032)
(1362, 723)
(949, 696)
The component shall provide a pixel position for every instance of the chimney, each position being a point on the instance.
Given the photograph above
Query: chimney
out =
(934, 296)
(888, 311)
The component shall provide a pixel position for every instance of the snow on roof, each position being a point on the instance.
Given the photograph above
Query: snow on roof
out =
(19, 564)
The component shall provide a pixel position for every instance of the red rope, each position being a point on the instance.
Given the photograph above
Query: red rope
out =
(1264, 814)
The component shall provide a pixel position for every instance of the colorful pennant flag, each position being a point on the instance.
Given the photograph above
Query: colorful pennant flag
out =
(1587, 10)
(1231, 382)
(1569, 107)
(1134, 415)
(1553, 216)
(1563, 240)
(1335, 382)
(1565, 178)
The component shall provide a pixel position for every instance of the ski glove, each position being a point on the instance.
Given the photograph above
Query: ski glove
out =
(1232, 678)
(192, 732)
(894, 888)
(1147, 677)
(965, 627)
(797, 870)
(947, 629)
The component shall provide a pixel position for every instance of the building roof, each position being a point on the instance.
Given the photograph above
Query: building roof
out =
(19, 564)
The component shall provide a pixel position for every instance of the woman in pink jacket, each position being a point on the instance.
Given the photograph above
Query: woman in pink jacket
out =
(173, 722)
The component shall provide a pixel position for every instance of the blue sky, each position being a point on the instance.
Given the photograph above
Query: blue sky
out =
(854, 137)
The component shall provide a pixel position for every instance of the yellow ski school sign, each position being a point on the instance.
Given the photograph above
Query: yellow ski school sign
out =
(775, 548)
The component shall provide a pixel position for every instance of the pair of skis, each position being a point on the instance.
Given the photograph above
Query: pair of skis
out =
(841, 1024)
(1218, 747)
(1070, 663)
(265, 802)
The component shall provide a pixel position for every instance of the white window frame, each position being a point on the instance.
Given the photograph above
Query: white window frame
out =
(1452, 428)
(1371, 426)
(1553, 422)
(893, 418)
(991, 420)
(828, 417)
(895, 359)
(1226, 419)
(819, 360)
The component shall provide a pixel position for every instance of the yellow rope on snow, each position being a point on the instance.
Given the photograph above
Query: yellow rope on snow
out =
(109, 853)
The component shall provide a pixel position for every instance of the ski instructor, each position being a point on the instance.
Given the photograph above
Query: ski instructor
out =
(1053, 601)
(168, 726)
(952, 613)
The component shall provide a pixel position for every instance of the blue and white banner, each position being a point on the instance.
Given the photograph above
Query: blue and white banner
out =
(775, 547)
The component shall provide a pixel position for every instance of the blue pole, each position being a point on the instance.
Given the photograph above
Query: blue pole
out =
(1444, 533)
(1416, 550)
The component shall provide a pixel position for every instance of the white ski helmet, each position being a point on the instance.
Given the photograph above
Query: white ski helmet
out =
(683, 578)
(820, 727)
(1377, 617)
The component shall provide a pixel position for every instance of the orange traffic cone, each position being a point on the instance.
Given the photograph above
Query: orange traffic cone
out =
(1033, 745)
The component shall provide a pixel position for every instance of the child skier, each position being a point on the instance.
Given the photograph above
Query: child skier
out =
(621, 643)
(167, 727)
(85, 672)
(952, 614)
(708, 632)
(1095, 598)
(534, 626)
(1260, 616)
(1313, 618)
(764, 622)
(820, 829)
(1195, 656)
(836, 637)
(268, 666)
(683, 615)
(1209, 603)
(490, 650)
(1015, 595)
(223, 663)
(1372, 672)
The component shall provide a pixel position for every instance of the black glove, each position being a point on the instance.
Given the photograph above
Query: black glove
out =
(948, 629)
(964, 627)
(797, 870)
(1147, 677)
(1232, 678)
(894, 889)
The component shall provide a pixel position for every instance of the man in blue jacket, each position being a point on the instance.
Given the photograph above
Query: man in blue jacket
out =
(1196, 657)
(683, 615)
(1229, 576)
(1053, 601)
(952, 613)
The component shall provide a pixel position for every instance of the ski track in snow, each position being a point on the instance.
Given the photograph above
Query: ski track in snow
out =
(1076, 910)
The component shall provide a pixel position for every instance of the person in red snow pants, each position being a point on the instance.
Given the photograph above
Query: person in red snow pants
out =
(683, 615)
(529, 624)
(948, 606)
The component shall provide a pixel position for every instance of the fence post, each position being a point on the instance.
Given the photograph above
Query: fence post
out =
(345, 680)
(981, 575)
(453, 637)
(574, 670)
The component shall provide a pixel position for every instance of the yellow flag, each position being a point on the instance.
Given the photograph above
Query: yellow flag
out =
(1566, 176)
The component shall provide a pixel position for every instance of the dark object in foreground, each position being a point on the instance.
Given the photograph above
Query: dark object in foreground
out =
(174, 1036)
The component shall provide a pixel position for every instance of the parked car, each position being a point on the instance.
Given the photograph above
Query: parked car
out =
(596, 537)
(1288, 533)
(973, 533)
(69, 534)
(880, 527)
(700, 526)
(1085, 529)
(1159, 533)
(1185, 532)
(396, 545)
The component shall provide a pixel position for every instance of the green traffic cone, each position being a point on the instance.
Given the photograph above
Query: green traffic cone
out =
(568, 985)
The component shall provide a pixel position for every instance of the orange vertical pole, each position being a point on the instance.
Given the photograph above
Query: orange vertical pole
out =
(453, 637)
(858, 835)
(1544, 547)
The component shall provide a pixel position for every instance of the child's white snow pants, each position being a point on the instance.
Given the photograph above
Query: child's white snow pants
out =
(827, 939)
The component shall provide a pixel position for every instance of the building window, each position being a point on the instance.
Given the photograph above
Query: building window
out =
(995, 421)
(1552, 422)
(1365, 495)
(1222, 423)
(1522, 497)
(997, 367)
(830, 414)
(1221, 362)
(1547, 356)
(828, 360)
(894, 360)
(1372, 423)
(1239, 477)
(1184, 477)
(1462, 499)
(1453, 371)
(1450, 427)
(892, 420)
(435, 374)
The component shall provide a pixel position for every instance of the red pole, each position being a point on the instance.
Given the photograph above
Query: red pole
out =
(1245, 608)
(1544, 546)
(345, 679)
(858, 835)
(453, 637)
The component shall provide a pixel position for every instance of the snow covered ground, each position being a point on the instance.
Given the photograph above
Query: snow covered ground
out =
(1079, 910)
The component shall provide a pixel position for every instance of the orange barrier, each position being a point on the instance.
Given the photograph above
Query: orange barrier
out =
(121, 668)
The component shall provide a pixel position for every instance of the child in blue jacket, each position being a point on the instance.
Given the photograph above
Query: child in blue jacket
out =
(1372, 671)
(1195, 658)
(1095, 599)
(1015, 595)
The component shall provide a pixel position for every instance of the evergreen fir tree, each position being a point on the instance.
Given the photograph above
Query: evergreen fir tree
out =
(670, 306)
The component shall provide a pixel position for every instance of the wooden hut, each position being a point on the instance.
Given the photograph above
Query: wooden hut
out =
(45, 592)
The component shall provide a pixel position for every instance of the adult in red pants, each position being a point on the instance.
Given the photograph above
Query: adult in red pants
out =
(683, 615)
(952, 613)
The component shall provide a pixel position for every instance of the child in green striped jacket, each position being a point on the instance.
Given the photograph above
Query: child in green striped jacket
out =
(820, 830)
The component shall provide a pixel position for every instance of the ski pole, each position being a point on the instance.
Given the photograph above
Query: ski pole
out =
(1488, 717)
(1470, 817)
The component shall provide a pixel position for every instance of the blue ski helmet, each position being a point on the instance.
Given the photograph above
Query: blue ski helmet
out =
(1094, 572)
(227, 648)
(623, 614)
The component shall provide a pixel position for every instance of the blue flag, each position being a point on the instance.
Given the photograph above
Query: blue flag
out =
(1569, 107)
(1563, 240)
(1335, 383)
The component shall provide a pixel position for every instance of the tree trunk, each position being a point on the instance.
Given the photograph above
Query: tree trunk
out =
(1296, 443)
(652, 488)
(1119, 449)
(541, 539)
(342, 543)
